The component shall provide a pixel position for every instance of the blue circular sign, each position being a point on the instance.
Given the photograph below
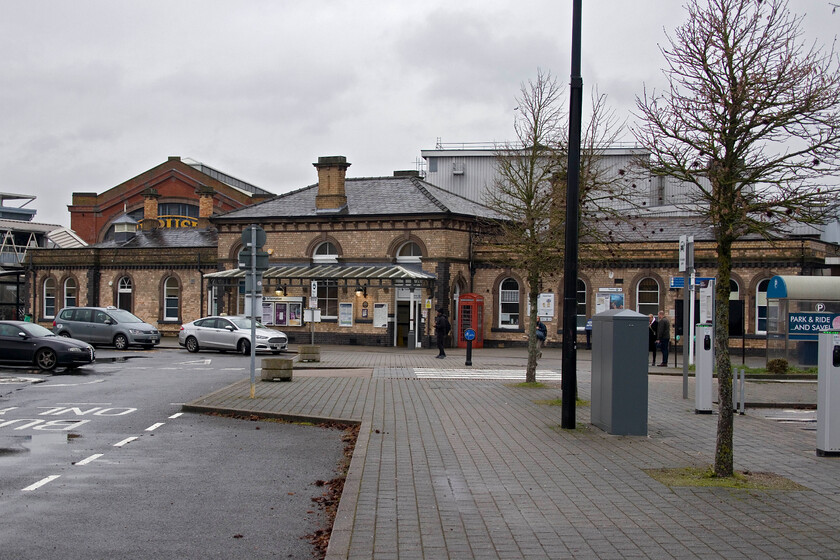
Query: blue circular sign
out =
(469, 334)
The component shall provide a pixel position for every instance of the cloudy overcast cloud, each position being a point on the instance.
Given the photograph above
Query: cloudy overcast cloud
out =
(96, 92)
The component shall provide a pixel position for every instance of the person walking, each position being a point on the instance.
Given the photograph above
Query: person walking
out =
(442, 328)
(663, 336)
(652, 336)
(541, 333)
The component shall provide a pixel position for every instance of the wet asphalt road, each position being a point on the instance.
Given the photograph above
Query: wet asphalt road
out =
(100, 463)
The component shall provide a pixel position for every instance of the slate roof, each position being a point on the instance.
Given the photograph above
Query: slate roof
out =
(670, 227)
(166, 237)
(369, 196)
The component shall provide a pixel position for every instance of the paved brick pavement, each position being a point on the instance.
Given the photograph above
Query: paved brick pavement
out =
(479, 468)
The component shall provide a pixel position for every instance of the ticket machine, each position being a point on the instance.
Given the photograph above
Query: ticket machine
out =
(705, 365)
(828, 394)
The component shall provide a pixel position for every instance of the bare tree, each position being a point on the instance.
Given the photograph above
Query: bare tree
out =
(751, 119)
(530, 190)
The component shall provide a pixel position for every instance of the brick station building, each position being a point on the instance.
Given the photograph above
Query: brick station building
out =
(350, 235)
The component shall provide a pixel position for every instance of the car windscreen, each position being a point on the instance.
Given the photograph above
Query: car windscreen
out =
(123, 316)
(36, 330)
(244, 322)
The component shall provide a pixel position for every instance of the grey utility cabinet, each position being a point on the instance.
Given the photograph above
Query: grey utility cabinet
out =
(620, 372)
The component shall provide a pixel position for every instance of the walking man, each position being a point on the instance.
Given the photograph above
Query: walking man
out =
(663, 336)
(653, 335)
(442, 328)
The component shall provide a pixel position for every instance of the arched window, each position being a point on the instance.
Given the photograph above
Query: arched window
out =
(761, 307)
(171, 299)
(734, 290)
(49, 298)
(581, 303)
(509, 304)
(70, 293)
(326, 252)
(409, 253)
(647, 297)
(124, 293)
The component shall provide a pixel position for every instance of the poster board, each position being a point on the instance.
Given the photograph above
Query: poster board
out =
(345, 314)
(380, 315)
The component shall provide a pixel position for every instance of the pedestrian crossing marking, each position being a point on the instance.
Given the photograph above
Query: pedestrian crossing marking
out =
(470, 373)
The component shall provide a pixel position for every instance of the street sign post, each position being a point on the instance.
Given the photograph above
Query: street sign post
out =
(254, 261)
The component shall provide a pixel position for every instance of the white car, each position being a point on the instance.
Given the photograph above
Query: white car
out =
(230, 333)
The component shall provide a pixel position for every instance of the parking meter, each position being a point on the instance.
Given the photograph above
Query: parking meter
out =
(705, 365)
(828, 394)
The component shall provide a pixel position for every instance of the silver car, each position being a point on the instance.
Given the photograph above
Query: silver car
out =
(230, 333)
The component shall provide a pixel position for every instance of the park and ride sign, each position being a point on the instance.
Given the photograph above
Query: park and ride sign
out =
(806, 325)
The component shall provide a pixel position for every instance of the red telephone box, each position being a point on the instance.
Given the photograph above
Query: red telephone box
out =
(471, 316)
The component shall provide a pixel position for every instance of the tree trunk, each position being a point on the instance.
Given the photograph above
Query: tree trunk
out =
(531, 370)
(724, 449)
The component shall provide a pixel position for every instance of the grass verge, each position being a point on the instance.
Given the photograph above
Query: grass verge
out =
(704, 477)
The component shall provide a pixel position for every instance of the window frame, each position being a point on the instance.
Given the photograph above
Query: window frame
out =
(74, 289)
(325, 258)
(504, 294)
(759, 317)
(328, 298)
(648, 305)
(125, 288)
(50, 289)
(171, 304)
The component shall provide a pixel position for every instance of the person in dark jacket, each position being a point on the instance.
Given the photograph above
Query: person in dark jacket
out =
(541, 333)
(652, 334)
(663, 336)
(442, 328)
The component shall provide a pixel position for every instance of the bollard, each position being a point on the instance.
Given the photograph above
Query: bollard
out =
(738, 391)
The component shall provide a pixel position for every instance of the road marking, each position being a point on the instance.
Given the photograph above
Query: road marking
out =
(19, 380)
(72, 384)
(177, 415)
(126, 440)
(154, 427)
(90, 459)
(205, 362)
(40, 483)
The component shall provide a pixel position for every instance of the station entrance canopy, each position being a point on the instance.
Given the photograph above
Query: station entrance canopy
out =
(352, 276)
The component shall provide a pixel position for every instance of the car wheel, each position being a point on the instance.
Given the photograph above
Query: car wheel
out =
(65, 334)
(46, 359)
(244, 347)
(191, 344)
(121, 342)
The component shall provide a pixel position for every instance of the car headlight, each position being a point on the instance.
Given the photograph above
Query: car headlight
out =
(261, 337)
(74, 349)
(135, 331)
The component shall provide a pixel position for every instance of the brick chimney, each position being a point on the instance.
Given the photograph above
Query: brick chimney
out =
(331, 174)
(205, 205)
(150, 209)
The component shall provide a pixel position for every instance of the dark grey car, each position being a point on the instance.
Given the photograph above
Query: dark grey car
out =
(105, 325)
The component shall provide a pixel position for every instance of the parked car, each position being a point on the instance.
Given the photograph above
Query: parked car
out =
(230, 333)
(24, 343)
(105, 325)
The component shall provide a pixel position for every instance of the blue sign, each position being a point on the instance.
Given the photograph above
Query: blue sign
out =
(679, 281)
(469, 334)
(808, 325)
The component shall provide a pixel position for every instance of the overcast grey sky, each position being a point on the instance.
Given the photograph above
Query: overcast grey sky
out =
(96, 92)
